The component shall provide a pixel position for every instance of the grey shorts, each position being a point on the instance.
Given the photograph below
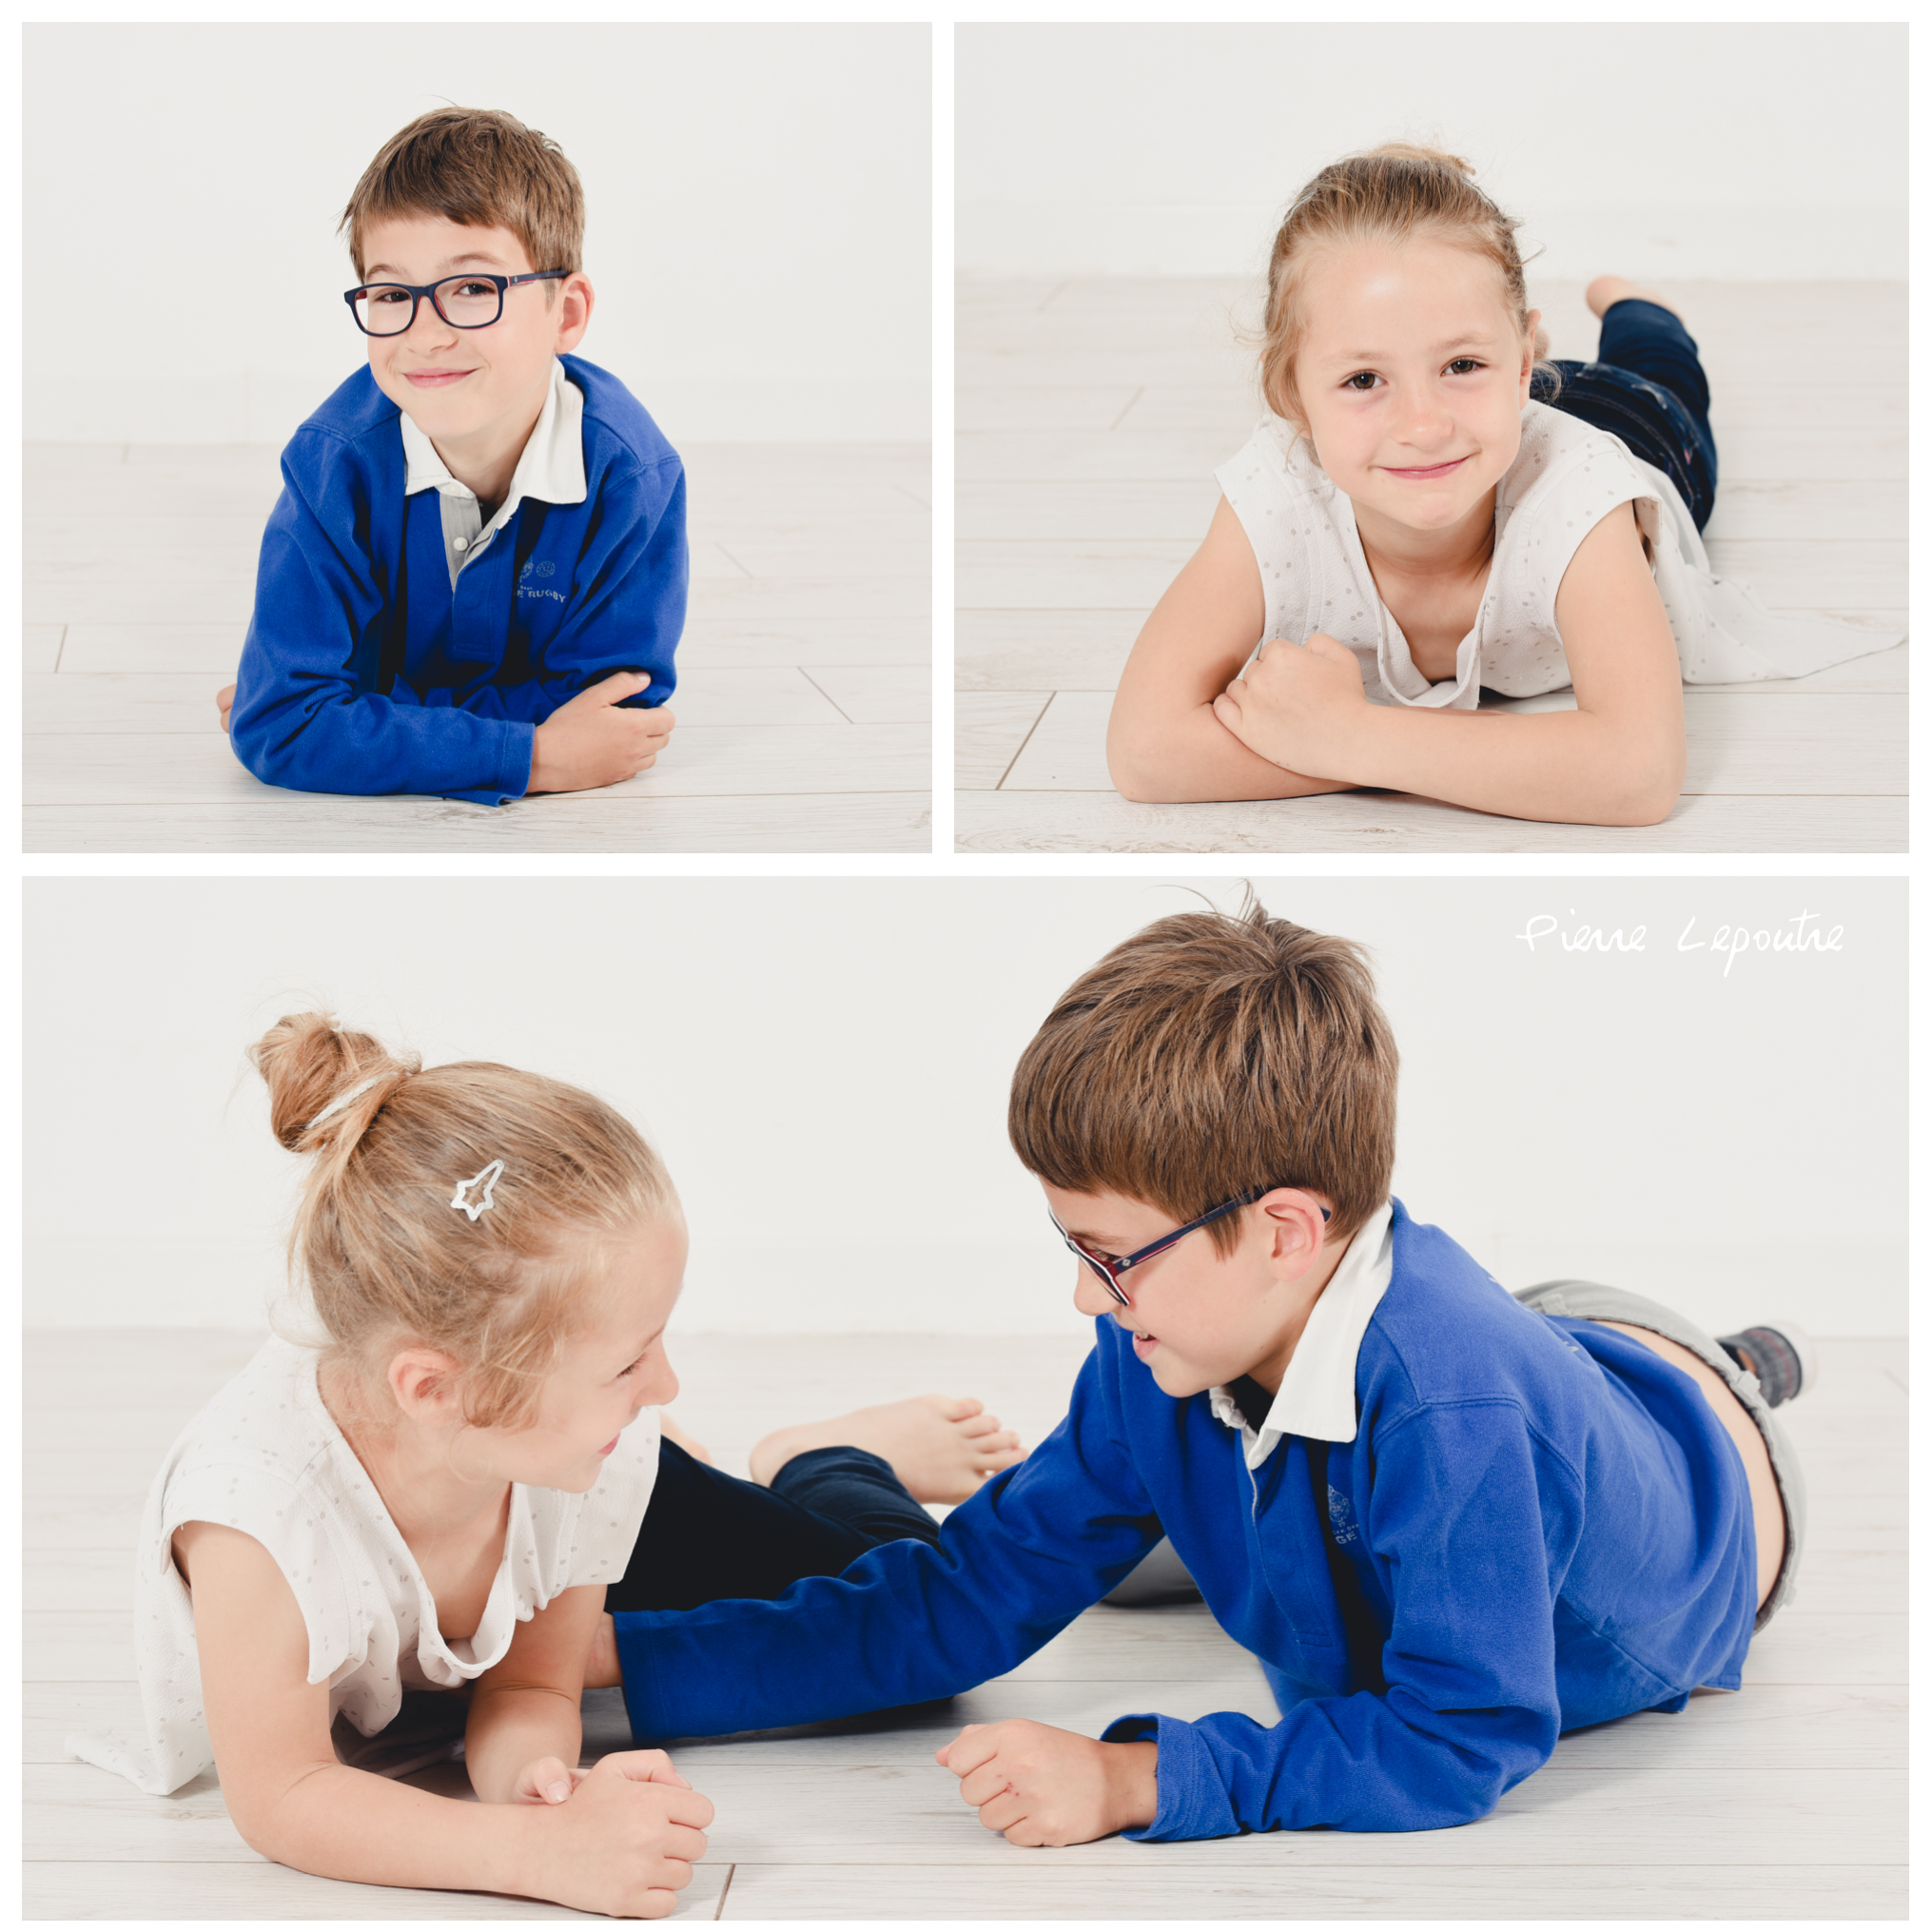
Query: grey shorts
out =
(1586, 1301)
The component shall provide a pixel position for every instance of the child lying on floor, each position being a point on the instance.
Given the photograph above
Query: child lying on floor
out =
(475, 578)
(1452, 1523)
(443, 1498)
(1430, 510)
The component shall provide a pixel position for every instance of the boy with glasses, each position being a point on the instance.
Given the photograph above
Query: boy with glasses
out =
(1452, 1523)
(475, 579)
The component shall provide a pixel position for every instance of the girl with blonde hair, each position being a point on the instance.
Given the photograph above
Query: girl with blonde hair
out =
(1428, 510)
(443, 1499)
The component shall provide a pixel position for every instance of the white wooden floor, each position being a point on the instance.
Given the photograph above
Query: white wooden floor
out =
(1091, 417)
(804, 678)
(1784, 1801)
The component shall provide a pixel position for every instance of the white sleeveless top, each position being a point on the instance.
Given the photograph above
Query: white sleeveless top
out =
(1567, 477)
(265, 1457)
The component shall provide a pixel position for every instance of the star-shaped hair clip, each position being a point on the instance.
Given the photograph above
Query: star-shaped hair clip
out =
(485, 1180)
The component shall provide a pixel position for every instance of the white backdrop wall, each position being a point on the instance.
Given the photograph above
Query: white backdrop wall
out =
(1759, 152)
(823, 1064)
(758, 234)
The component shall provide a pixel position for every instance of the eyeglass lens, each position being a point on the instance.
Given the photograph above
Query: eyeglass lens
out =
(385, 309)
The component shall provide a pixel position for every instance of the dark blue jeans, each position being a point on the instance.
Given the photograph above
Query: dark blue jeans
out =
(1648, 387)
(707, 1535)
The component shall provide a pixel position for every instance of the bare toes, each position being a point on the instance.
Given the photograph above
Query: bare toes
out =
(982, 1424)
(955, 1407)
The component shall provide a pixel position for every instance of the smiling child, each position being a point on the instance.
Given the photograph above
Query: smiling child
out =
(441, 1498)
(475, 579)
(1429, 511)
(1452, 1523)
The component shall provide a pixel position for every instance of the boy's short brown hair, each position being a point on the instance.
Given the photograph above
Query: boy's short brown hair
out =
(484, 169)
(1209, 1056)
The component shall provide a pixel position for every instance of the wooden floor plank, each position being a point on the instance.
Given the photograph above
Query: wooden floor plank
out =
(989, 729)
(161, 1889)
(831, 821)
(906, 1815)
(1034, 1885)
(1084, 822)
(1555, 1820)
(876, 693)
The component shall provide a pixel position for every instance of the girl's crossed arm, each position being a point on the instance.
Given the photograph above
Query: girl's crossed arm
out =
(1616, 759)
(622, 1843)
(1165, 742)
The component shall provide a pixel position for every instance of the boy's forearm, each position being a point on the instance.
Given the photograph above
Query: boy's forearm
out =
(344, 1823)
(511, 1727)
(1189, 756)
(374, 745)
(1561, 767)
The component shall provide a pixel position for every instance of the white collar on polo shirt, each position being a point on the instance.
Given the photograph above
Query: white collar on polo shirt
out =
(550, 469)
(1317, 1398)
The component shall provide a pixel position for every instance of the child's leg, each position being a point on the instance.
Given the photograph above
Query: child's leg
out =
(1777, 1484)
(1645, 386)
(940, 1447)
(1649, 340)
(706, 1534)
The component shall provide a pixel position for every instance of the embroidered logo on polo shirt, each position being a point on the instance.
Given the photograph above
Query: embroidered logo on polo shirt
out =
(532, 568)
(1341, 1517)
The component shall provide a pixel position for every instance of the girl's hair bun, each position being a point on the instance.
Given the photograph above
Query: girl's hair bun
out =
(313, 1066)
(1428, 157)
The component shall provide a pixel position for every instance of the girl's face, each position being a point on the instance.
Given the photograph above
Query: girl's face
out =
(1411, 378)
(614, 1367)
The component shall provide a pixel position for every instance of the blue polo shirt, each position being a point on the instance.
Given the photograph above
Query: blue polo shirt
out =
(1538, 1524)
(367, 669)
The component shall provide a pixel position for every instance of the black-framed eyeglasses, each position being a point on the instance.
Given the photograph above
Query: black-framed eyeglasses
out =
(1111, 1267)
(466, 301)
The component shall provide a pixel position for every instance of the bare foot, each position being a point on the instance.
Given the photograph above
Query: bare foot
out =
(1608, 290)
(688, 1444)
(940, 1447)
(600, 1670)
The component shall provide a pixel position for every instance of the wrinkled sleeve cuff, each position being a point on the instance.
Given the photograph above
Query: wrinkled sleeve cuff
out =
(513, 774)
(1190, 1799)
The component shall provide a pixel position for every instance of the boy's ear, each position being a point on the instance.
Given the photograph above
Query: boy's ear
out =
(1296, 1217)
(573, 307)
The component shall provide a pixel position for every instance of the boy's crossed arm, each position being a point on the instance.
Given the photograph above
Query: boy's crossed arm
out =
(592, 740)
(588, 741)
